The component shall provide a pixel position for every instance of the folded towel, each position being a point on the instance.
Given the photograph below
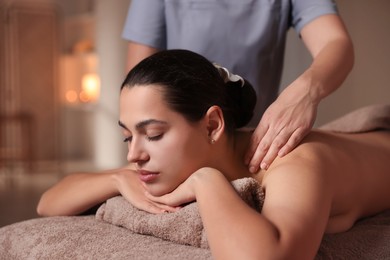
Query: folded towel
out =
(369, 118)
(184, 226)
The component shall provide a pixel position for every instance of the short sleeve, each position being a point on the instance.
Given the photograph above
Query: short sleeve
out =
(145, 23)
(304, 11)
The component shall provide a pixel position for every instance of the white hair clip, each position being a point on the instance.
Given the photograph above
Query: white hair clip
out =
(227, 76)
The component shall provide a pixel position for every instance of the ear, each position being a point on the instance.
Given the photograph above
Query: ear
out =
(215, 123)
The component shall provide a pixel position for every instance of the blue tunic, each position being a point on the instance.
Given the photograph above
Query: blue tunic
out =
(246, 36)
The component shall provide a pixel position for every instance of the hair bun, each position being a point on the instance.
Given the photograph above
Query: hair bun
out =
(240, 95)
(241, 102)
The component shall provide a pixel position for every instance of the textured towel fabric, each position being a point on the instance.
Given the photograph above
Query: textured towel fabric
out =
(370, 118)
(85, 238)
(368, 239)
(184, 226)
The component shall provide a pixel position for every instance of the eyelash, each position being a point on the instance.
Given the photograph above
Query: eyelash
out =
(127, 139)
(154, 138)
(149, 138)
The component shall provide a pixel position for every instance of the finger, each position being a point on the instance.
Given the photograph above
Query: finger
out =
(156, 208)
(293, 141)
(157, 200)
(280, 140)
(261, 151)
(256, 137)
(153, 208)
(166, 208)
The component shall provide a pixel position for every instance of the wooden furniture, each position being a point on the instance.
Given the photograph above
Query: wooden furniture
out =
(29, 65)
(17, 140)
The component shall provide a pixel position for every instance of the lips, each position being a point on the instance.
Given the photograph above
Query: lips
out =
(147, 176)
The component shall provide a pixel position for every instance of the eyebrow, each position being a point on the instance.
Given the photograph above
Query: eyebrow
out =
(144, 123)
(122, 125)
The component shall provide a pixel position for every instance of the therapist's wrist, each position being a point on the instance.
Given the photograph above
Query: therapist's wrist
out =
(310, 87)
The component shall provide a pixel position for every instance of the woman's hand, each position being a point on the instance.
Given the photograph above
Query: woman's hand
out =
(131, 188)
(185, 192)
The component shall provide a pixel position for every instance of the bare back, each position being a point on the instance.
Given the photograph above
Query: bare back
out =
(357, 169)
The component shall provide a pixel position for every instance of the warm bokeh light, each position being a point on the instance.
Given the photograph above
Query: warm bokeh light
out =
(71, 96)
(84, 97)
(90, 87)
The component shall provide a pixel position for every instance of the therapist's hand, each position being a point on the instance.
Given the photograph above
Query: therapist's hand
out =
(284, 124)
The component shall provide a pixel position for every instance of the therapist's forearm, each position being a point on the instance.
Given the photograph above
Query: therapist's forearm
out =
(329, 69)
(331, 47)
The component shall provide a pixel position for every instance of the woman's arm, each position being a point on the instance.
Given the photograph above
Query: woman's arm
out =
(79, 192)
(290, 226)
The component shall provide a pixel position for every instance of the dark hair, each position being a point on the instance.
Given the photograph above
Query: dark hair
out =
(192, 84)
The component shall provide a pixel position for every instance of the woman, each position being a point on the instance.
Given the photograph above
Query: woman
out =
(179, 116)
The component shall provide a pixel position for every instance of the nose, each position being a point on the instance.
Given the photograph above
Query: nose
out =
(136, 153)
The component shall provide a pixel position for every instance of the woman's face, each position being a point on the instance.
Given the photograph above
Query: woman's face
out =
(164, 147)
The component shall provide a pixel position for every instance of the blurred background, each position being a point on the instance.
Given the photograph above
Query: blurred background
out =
(61, 66)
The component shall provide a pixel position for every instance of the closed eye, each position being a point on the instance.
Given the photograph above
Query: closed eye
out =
(128, 139)
(154, 138)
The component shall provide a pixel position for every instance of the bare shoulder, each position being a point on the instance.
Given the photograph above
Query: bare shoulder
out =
(355, 166)
(344, 160)
(297, 192)
(325, 146)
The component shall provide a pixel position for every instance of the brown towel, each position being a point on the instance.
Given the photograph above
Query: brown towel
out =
(368, 239)
(183, 227)
(370, 118)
